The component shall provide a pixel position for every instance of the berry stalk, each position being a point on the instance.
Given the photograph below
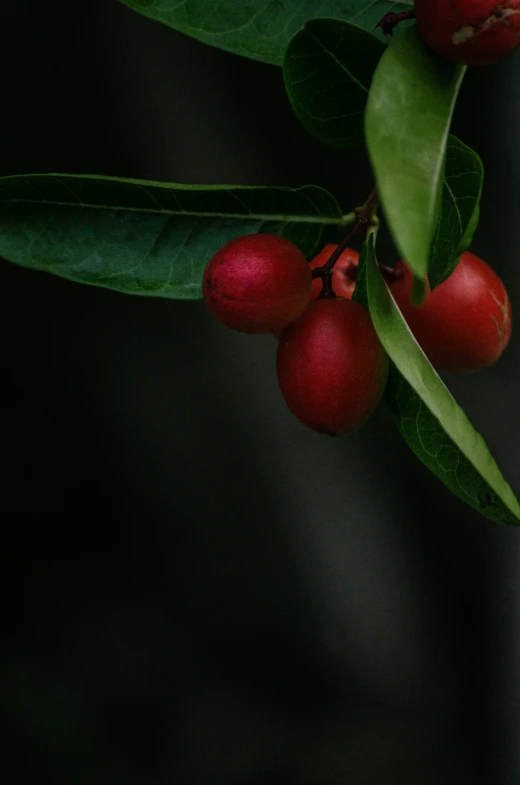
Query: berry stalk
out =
(390, 21)
(365, 217)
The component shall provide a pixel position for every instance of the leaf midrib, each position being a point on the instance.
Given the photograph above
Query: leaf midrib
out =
(190, 213)
(338, 62)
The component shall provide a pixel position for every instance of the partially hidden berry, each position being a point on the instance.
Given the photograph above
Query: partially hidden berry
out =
(471, 32)
(344, 272)
(465, 323)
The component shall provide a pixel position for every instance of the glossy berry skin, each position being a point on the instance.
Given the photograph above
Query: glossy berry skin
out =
(343, 282)
(465, 323)
(257, 283)
(331, 366)
(471, 32)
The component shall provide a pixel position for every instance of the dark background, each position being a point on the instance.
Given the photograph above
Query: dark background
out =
(195, 588)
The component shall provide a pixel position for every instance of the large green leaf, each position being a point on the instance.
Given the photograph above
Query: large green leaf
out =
(460, 209)
(430, 420)
(408, 116)
(328, 68)
(260, 29)
(142, 237)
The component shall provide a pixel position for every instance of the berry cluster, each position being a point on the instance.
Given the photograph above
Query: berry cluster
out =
(331, 365)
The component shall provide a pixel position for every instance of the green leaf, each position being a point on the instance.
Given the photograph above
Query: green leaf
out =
(429, 419)
(408, 116)
(328, 68)
(460, 209)
(146, 238)
(361, 291)
(260, 29)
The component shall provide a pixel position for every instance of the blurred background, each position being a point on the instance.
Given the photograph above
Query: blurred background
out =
(194, 587)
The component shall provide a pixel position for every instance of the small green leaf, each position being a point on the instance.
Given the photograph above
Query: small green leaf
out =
(328, 69)
(260, 29)
(460, 209)
(142, 237)
(429, 419)
(361, 292)
(408, 116)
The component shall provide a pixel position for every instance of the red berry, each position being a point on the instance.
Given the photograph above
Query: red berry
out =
(345, 269)
(472, 32)
(257, 283)
(331, 366)
(465, 323)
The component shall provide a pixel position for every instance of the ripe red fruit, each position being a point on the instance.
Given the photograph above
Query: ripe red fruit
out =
(471, 32)
(465, 323)
(257, 283)
(344, 277)
(331, 366)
